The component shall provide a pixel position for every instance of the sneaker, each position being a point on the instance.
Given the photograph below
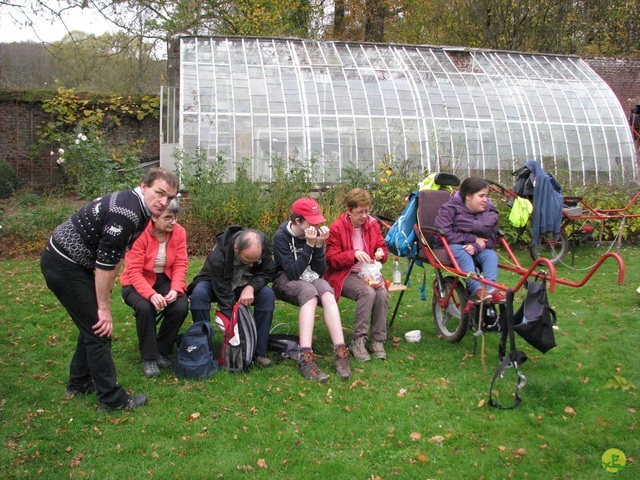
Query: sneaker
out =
(377, 348)
(150, 368)
(341, 361)
(263, 361)
(358, 350)
(481, 295)
(163, 362)
(308, 367)
(79, 390)
(133, 401)
(498, 296)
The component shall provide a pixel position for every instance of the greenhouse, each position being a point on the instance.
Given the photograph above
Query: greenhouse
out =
(347, 105)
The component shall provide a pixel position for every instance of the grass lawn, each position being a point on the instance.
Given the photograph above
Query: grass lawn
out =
(421, 414)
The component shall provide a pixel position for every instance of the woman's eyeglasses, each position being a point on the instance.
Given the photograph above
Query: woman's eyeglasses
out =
(361, 213)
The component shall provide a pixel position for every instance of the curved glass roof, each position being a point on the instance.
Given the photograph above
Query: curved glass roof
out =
(443, 108)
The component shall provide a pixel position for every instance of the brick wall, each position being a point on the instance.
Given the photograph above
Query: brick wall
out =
(19, 128)
(622, 75)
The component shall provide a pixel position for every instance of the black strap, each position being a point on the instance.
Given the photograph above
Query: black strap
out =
(513, 358)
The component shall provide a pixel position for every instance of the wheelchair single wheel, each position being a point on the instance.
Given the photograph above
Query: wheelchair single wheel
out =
(553, 250)
(450, 322)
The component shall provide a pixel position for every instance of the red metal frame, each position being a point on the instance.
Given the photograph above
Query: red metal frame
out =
(517, 268)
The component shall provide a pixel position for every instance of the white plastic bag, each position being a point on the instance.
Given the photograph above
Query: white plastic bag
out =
(371, 273)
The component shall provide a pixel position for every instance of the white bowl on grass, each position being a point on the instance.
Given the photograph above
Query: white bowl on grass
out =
(413, 336)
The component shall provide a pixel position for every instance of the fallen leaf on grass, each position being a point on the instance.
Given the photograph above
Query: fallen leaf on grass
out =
(437, 439)
(421, 457)
(415, 436)
(193, 416)
(262, 463)
(569, 411)
(402, 392)
(75, 461)
(481, 403)
(520, 452)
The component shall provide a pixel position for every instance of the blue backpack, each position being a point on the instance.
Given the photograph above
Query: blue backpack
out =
(195, 353)
(401, 238)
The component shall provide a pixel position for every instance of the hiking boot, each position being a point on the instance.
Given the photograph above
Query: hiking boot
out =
(358, 350)
(163, 362)
(133, 401)
(72, 391)
(341, 361)
(377, 349)
(498, 296)
(263, 361)
(150, 368)
(308, 367)
(481, 295)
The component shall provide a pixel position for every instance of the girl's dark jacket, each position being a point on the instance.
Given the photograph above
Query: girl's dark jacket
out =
(462, 226)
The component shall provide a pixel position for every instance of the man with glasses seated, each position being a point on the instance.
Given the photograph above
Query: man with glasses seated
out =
(355, 239)
(238, 269)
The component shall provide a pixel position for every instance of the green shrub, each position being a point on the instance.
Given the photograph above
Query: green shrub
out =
(8, 180)
(92, 167)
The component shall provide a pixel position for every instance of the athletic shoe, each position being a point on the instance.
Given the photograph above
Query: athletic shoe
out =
(481, 295)
(498, 296)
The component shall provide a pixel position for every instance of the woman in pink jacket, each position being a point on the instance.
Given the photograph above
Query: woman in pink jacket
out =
(355, 239)
(154, 279)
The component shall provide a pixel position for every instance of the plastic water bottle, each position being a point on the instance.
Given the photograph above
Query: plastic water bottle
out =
(397, 273)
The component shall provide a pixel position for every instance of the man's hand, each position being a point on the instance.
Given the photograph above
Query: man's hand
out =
(104, 327)
(246, 296)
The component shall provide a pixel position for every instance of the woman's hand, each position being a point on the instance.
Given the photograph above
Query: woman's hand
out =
(171, 296)
(158, 301)
(470, 249)
(379, 254)
(362, 257)
(482, 242)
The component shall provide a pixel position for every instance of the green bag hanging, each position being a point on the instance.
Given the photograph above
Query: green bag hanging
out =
(520, 212)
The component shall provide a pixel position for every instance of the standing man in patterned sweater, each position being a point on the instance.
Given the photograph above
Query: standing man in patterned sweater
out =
(80, 264)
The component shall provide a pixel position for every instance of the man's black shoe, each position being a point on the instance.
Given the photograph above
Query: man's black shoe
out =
(134, 401)
(72, 391)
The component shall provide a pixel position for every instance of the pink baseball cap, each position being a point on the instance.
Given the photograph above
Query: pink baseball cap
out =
(309, 209)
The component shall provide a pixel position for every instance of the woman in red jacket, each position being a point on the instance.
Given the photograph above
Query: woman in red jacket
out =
(354, 240)
(154, 279)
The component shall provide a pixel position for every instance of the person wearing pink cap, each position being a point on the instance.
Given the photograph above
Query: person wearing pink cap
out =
(298, 247)
(355, 240)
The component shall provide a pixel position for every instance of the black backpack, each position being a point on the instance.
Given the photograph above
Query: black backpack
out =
(284, 345)
(534, 320)
(195, 353)
(240, 339)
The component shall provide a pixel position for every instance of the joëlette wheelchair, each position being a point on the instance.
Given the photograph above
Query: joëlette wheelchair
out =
(454, 312)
